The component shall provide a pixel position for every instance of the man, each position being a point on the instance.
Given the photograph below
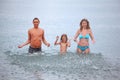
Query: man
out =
(35, 38)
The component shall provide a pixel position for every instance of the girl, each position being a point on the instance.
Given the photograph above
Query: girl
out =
(63, 43)
(84, 33)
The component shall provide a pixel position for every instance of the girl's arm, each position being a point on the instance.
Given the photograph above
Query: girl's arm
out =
(56, 41)
(92, 37)
(69, 43)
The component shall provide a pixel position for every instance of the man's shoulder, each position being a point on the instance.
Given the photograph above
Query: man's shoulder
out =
(41, 29)
(30, 29)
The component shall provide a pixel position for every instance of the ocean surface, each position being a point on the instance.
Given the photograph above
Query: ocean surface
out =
(58, 17)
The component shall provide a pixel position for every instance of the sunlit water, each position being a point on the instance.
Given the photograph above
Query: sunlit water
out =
(58, 17)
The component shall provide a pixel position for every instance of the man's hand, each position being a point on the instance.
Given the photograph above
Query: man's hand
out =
(48, 44)
(20, 46)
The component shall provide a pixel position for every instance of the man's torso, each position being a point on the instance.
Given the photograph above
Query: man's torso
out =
(36, 37)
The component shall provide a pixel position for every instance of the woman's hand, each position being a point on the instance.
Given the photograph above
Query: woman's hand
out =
(93, 41)
(76, 41)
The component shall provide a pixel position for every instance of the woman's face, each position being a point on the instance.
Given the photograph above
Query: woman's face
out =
(84, 24)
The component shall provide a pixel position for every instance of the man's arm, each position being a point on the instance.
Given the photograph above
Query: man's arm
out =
(27, 42)
(44, 41)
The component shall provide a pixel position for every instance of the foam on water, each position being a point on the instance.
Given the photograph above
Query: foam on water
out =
(70, 66)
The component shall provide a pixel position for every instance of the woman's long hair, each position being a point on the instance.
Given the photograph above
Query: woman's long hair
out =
(88, 26)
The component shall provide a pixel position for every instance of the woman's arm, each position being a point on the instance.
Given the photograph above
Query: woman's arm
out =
(92, 37)
(76, 35)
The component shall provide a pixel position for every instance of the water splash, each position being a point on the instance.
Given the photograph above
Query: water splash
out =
(71, 65)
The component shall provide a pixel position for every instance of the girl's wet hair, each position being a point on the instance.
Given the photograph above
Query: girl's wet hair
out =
(65, 36)
(88, 26)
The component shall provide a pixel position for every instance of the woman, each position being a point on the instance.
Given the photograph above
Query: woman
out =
(84, 33)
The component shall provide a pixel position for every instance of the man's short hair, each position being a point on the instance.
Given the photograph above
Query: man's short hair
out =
(36, 19)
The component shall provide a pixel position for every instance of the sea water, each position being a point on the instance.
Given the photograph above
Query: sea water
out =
(56, 18)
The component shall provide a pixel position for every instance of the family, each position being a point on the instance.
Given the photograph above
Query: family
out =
(36, 37)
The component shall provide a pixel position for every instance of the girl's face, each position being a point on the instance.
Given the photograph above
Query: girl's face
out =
(64, 39)
(84, 24)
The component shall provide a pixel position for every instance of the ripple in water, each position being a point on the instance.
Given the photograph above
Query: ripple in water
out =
(66, 67)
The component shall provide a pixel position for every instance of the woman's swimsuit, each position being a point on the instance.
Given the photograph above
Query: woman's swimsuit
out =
(83, 48)
(85, 37)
